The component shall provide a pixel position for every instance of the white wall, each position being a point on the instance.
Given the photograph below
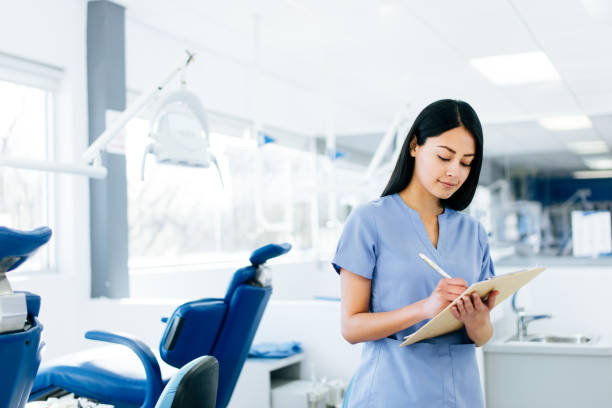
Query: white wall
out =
(577, 297)
(54, 33)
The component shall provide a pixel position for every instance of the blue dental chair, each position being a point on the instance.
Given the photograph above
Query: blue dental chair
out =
(20, 330)
(221, 328)
(194, 385)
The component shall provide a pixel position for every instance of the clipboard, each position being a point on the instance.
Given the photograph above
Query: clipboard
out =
(444, 322)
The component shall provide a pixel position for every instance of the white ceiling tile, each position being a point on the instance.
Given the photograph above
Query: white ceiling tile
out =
(595, 103)
(544, 99)
(603, 126)
(476, 28)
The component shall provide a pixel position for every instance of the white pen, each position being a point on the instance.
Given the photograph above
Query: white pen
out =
(434, 266)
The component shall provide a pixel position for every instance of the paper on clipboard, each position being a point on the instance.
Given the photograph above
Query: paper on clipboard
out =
(444, 322)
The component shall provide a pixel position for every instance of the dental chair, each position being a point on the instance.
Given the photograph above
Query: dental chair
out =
(193, 386)
(221, 328)
(20, 330)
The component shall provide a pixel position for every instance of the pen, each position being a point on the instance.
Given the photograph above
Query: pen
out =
(434, 266)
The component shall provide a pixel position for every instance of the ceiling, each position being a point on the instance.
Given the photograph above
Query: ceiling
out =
(376, 56)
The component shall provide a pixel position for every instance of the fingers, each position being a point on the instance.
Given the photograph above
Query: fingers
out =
(466, 306)
(451, 290)
(478, 304)
(455, 313)
(467, 303)
(491, 299)
(454, 290)
(460, 306)
(456, 282)
(449, 297)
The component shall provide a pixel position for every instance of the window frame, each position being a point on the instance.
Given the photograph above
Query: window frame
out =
(46, 78)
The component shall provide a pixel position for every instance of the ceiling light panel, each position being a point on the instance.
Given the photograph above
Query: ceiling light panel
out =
(589, 147)
(592, 174)
(568, 122)
(599, 163)
(516, 69)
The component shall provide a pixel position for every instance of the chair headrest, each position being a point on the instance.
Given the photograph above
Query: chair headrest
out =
(16, 246)
(258, 257)
(261, 255)
(241, 276)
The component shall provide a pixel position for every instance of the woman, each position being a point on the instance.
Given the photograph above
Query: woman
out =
(388, 292)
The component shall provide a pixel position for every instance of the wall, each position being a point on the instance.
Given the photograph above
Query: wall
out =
(577, 297)
(54, 33)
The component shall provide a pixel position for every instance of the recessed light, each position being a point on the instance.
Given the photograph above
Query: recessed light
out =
(598, 163)
(592, 174)
(515, 69)
(589, 147)
(568, 122)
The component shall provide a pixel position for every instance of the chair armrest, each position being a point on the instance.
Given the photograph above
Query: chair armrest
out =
(153, 373)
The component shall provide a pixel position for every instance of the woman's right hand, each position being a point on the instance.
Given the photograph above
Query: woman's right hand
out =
(445, 292)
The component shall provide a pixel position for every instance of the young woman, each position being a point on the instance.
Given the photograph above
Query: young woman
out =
(388, 292)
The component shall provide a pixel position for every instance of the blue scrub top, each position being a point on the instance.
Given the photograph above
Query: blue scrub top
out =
(381, 241)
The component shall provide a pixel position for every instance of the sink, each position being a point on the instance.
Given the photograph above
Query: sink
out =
(549, 369)
(555, 339)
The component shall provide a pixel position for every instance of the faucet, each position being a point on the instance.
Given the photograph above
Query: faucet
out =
(522, 322)
(523, 319)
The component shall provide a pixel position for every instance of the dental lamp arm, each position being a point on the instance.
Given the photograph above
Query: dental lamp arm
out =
(386, 141)
(104, 139)
(154, 384)
(213, 159)
(91, 166)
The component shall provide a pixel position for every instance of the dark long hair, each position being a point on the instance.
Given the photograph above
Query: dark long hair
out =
(437, 118)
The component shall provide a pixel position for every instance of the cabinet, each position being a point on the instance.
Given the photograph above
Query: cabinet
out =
(254, 385)
(548, 375)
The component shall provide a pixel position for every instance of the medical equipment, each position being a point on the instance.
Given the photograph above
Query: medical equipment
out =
(20, 330)
(299, 394)
(195, 385)
(308, 393)
(393, 138)
(223, 328)
(179, 130)
(67, 401)
(559, 224)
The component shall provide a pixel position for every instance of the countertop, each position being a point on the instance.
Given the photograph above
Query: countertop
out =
(602, 346)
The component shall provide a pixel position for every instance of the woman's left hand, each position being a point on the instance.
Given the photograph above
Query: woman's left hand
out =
(472, 311)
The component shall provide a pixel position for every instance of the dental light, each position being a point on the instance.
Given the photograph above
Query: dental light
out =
(179, 127)
(179, 130)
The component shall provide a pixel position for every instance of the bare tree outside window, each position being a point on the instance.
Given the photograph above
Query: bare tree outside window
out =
(24, 133)
(181, 216)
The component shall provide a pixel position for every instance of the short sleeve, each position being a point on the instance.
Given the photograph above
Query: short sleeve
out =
(487, 271)
(357, 247)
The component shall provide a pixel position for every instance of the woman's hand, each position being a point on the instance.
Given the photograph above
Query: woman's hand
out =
(474, 313)
(445, 292)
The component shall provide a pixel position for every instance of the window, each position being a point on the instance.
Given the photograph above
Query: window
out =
(25, 201)
(186, 216)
